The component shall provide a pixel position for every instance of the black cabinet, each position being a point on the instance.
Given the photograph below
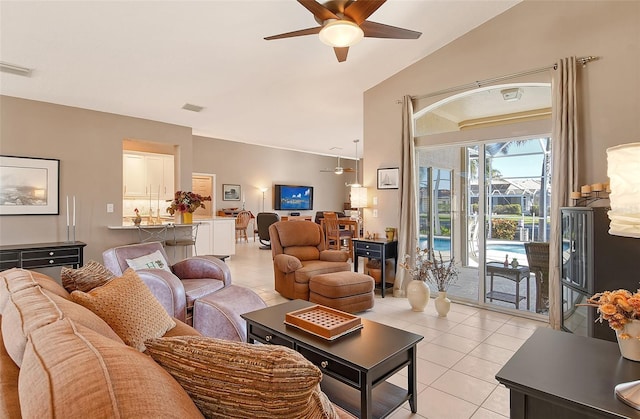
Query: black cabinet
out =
(376, 249)
(41, 255)
(593, 261)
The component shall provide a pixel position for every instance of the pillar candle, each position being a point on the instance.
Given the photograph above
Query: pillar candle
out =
(74, 210)
(575, 195)
(67, 210)
(596, 187)
(586, 189)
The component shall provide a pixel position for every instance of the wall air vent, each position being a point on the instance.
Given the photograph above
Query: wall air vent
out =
(192, 108)
(15, 69)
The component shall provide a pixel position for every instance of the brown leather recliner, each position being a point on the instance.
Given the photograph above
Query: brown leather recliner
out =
(299, 253)
(177, 290)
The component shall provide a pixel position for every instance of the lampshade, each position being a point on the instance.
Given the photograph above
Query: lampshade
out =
(623, 168)
(358, 197)
(341, 33)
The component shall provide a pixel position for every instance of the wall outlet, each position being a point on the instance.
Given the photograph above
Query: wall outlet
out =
(109, 207)
(375, 201)
(375, 213)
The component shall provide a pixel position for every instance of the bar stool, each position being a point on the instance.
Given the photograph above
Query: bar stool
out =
(184, 240)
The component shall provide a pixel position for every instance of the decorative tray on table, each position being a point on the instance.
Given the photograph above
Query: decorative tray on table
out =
(324, 322)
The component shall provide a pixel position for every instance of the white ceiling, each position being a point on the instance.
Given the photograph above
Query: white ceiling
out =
(148, 58)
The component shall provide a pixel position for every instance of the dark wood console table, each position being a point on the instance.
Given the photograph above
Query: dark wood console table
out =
(376, 249)
(561, 375)
(41, 255)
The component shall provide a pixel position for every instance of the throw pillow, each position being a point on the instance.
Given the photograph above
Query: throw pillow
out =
(70, 371)
(129, 307)
(84, 279)
(240, 380)
(153, 260)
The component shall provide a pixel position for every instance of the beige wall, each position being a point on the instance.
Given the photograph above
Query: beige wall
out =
(89, 147)
(531, 35)
(252, 167)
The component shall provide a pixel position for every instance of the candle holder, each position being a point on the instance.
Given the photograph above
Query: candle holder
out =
(589, 198)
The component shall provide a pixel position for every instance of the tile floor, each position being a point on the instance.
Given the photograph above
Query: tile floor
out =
(457, 359)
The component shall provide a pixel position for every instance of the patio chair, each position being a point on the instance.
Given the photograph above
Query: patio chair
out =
(538, 258)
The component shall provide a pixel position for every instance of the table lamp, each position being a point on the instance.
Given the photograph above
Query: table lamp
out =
(623, 169)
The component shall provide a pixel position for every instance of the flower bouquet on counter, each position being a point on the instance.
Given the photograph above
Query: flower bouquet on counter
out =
(619, 308)
(187, 202)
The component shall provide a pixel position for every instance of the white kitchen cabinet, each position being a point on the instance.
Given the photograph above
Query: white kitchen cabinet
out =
(224, 236)
(147, 175)
(134, 175)
(216, 236)
(204, 241)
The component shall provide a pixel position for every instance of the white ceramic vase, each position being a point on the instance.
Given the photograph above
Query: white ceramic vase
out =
(630, 348)
(418, 294)
(443, 304)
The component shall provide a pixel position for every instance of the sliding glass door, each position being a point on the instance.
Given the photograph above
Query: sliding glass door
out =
(479, 204)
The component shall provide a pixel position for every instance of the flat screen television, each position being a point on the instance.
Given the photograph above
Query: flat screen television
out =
(292, 198)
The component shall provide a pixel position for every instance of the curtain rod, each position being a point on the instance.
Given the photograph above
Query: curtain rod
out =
(485, 82)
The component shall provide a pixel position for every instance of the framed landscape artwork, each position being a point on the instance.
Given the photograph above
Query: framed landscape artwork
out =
(29, 186)
(230, 192)
(388, 178)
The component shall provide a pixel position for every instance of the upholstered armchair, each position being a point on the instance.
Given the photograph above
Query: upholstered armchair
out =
(176, 286)
(299, 253)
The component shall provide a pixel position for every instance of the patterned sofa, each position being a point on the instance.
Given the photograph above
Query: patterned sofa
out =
(113, 351)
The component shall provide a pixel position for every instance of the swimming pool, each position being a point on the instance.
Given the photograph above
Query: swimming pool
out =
(442, 244)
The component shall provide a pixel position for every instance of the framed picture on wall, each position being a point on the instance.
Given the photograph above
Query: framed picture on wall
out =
(231, 192)
(389, 178)
(29, 186)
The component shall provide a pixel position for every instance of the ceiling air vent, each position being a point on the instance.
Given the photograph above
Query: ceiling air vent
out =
(192, 108)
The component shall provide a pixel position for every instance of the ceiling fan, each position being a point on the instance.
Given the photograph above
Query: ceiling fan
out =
(344, 23)
(338, 170)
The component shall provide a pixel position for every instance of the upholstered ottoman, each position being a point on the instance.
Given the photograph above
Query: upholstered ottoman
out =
(347, 291)
(217, 315)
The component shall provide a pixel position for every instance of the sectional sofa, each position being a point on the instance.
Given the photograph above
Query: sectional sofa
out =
(59, 359)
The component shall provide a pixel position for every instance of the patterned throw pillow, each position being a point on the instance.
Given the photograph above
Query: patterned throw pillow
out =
(153, 260)
(129, 307)
(84, 279)
(228, 379)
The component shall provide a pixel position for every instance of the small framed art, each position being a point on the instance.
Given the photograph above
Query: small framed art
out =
(29, 186)
(389, 178)
(231, 192)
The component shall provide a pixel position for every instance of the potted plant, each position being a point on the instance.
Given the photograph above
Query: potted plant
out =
(186, 203)
(432, 269)
(621, 309)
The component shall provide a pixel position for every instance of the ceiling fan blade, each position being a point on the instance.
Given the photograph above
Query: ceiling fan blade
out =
(301, 32)
(380, 30)
(348, 170)
(360, 10)
(318, 10)
(341, 53)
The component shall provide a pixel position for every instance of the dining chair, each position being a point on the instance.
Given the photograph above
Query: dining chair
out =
(335, 237)
(242, 222)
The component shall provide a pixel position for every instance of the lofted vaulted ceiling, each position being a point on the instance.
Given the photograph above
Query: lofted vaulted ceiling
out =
(147, 59)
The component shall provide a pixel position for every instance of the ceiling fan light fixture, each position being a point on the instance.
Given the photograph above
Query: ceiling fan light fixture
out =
(338, 171)
(341, 33)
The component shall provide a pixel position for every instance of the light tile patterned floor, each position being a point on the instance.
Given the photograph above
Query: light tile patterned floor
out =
(457, 360)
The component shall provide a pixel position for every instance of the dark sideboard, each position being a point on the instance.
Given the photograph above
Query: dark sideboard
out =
(41, 255)
(557, 374)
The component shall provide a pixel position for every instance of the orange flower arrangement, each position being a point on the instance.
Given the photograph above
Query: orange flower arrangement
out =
(617, 307)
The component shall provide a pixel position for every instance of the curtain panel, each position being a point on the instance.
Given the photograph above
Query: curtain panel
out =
(564, 178)
(407, 240)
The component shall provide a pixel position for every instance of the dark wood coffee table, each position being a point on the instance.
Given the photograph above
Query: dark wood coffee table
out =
(355, 367)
